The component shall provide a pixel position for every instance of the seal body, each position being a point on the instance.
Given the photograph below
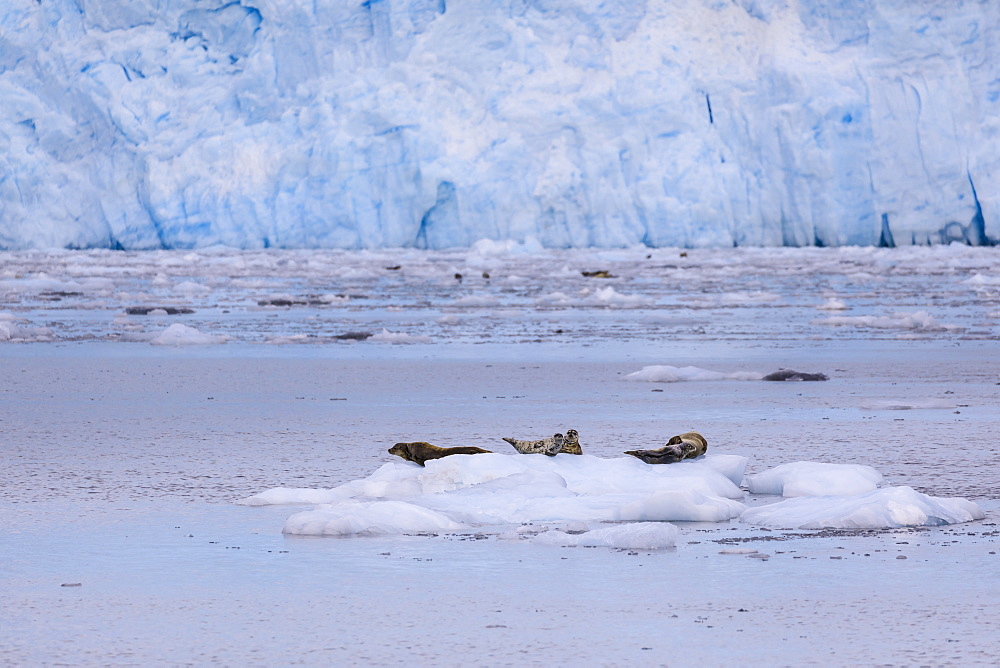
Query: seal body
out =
(683, 446)
(421, 451)
(790, 374)
(547, 446)
(571, 443)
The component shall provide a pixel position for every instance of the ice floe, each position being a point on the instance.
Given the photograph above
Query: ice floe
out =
(888, 508)
(178, 334)
(385, 336)
(616, 502)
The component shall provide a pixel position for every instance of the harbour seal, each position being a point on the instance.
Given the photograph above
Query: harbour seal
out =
(791, 374)
(571, 443)
(547, 446)
(421, 451)
(683, 446)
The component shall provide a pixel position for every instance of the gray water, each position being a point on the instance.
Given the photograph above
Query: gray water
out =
(122, 544)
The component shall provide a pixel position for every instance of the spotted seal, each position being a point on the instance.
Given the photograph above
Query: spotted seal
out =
(571, 443)
(547, 446)
(683, 446)
(421, 451)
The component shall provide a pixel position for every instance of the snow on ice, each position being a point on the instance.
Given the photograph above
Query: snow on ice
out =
(569, 500)
(428, 124)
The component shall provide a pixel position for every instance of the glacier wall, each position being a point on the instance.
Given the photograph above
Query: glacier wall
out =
(433, 123)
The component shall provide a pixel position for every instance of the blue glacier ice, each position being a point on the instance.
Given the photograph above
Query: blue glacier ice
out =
(435, 123)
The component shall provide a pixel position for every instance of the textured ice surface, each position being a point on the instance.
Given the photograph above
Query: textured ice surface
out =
(635, 535)
(881, 509)
(464, 492)
(815, 479)
(424, 123)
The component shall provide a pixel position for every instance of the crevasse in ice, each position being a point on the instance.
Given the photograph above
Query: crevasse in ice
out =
(427, 123)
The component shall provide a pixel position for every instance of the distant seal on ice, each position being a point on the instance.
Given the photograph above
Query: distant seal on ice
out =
(571, 443)
(421, 451)
(683, 446)
(790, 374)
(547, 446)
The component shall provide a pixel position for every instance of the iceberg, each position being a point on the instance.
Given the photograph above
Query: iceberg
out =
(566, 123)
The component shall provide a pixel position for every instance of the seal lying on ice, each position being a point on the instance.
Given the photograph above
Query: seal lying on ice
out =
(421, 451)
(547, 446)
(571, 443)
(684, 446)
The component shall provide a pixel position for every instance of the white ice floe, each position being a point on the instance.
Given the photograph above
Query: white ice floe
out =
(558, 500)
(918, 321)
(980, 280)
(178, 334)
(634, 536)
(833, 304)
(732, 299)
(815, 479)
(887, 508)
(385, 336)
(498, 489)
(664, 373)
(12, 332)
(606, 296)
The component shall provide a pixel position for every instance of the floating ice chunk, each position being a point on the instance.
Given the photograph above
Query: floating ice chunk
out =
(385, 336)
(634, 536)
(815, 479)
(887, 508)
(14, 333)
(298, 495)
(608, 296)
(182, 335)
(498, 489)
(919, 321)
(191, 288)
(832, 304)
(672, 374)
(980, 279)
(368, 518)
(733, 299)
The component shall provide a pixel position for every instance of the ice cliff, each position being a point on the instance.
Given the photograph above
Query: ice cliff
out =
(341, 123)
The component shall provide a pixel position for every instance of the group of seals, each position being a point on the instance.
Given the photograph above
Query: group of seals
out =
(421, 451)
(551, 446)
(683, 446)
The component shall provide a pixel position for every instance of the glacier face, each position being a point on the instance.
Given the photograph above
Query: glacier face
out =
(434, 123)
